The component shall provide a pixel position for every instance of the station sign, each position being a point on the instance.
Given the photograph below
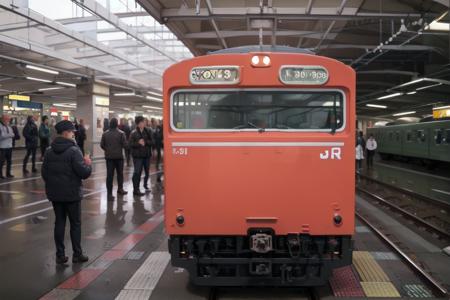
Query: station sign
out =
(303, 75)
(215, 75)
(441, 112)
(18, 97)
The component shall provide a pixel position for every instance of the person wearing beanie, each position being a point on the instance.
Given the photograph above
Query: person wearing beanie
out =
(63, 170)
(140, 145)
(114, 143)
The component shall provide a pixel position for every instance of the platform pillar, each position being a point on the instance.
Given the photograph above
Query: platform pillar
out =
(93, 108)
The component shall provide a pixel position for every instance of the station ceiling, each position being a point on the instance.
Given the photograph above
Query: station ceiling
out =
(389, 43)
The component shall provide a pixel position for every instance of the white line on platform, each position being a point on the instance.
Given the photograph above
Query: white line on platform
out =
(441, 191)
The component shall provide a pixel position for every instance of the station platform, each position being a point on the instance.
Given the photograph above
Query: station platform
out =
(127, 246)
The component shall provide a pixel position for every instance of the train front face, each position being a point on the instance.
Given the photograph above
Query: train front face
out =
(259, 168)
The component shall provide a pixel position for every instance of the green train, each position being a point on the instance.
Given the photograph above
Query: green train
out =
(426, 141)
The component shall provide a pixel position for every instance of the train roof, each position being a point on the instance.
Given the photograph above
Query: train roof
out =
(264, 48)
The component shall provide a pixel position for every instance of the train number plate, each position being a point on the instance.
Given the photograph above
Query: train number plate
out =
(307, 75)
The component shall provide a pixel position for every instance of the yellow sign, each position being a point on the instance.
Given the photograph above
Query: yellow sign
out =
(441, 113)
(19, 97)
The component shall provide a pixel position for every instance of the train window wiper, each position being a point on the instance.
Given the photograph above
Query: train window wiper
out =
(250, 124)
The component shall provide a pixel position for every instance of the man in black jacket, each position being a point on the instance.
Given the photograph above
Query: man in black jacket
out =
(63, 169)
(30, 133)
(113, 143)
(140, 145)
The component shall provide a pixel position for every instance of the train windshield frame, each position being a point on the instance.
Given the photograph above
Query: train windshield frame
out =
(285, 110)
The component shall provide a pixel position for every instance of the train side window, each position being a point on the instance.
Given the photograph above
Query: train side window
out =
(397, 136)
(447, 136)
(408, 136)
(391, 135)
(438, 136)
(420, 136)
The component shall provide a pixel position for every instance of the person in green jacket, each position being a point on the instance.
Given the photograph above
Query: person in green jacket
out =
(44, 135)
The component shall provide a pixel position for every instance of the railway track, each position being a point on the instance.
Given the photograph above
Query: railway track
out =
(438, 289)
(430, 214)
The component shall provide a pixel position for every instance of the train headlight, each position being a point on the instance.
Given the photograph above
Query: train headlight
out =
(337, 219)
(260, 61)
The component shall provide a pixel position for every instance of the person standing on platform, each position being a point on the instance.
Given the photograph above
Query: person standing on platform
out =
(81, 135)
(31, 135)
(140, 145)
(371, 146)
(113, 143)
(126, 129)
(13, 125)
(359, 150)
(158, 138)
(44, 136)
(6, 144)
(63, 170)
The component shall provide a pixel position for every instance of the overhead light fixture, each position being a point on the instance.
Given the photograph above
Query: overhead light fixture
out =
(389, 96)
(154, 93)
(441, 107)
(66, 83)
(154, 98)
(41, 69)
(376, 105)
(38, 79)
(411, 93)
(439, 26)
(111, 111)
(50, 88)
(404, 113)
(67, 105)
(154, 107)
(125, 94)
(428, 86)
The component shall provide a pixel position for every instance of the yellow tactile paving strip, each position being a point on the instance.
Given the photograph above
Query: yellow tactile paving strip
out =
(374, 281)
(380, 289)
(368, 269)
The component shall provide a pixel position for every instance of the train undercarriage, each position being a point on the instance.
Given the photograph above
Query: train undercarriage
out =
(260, 258)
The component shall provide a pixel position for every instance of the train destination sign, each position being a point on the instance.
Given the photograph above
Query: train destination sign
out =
(307, 75)
(215, 75)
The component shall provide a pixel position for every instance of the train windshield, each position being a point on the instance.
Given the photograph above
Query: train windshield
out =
(256, 109)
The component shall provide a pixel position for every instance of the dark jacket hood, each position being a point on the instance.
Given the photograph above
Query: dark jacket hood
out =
(61, 144)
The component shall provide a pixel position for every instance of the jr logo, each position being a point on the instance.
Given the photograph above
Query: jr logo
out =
(335, 153)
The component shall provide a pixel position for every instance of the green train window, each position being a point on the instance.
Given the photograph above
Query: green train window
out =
(408, 136)
(420, 136)
(447, 136)
(390, 135)
(397, 136)
(438, 137)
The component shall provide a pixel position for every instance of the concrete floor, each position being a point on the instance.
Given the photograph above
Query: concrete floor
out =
(27, 255)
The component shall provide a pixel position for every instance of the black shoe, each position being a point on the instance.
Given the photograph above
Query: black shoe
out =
(60, 260)
(2, 177)
(34, 170)
(122, 192)
(138, 193)
(80, 259)
(147, 189)
(110, 197)
(25, 171)
(10, 175)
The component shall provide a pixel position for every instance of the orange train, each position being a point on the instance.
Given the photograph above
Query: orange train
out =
(259, 166)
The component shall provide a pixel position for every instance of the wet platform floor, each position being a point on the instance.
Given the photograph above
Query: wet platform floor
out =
(127, 247)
